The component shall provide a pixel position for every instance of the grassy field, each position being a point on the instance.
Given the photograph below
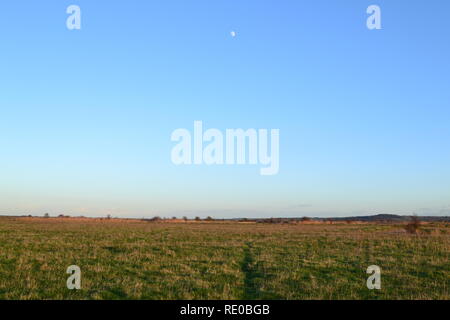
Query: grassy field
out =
(134, 259)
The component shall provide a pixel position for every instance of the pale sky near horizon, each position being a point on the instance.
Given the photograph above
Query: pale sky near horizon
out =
(86, 115)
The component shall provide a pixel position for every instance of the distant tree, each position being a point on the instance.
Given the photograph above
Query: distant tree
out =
(157, 218)
(197, 219)
(209, 218)
(174, 218)
(61, 216)
(108, 216)
(305, 219)
(46, 215)
(185, 218)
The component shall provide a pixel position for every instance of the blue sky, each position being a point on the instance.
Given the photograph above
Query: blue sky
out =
(86, 115)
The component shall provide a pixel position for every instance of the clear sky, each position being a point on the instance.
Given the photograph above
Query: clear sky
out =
(86, 115)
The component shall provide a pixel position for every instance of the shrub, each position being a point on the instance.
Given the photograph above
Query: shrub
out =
(413, 226)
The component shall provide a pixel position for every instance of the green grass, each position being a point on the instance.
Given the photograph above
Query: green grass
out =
(141, 260)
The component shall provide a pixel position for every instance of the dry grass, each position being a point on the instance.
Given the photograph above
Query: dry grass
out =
(133, 259)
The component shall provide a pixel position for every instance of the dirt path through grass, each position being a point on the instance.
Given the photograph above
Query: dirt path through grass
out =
(251, 274)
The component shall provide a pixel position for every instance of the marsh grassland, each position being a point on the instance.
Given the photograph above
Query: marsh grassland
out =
(133, 259)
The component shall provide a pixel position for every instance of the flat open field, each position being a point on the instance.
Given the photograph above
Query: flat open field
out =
(133, 259)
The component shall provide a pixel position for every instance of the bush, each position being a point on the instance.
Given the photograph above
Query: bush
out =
(413, 226)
